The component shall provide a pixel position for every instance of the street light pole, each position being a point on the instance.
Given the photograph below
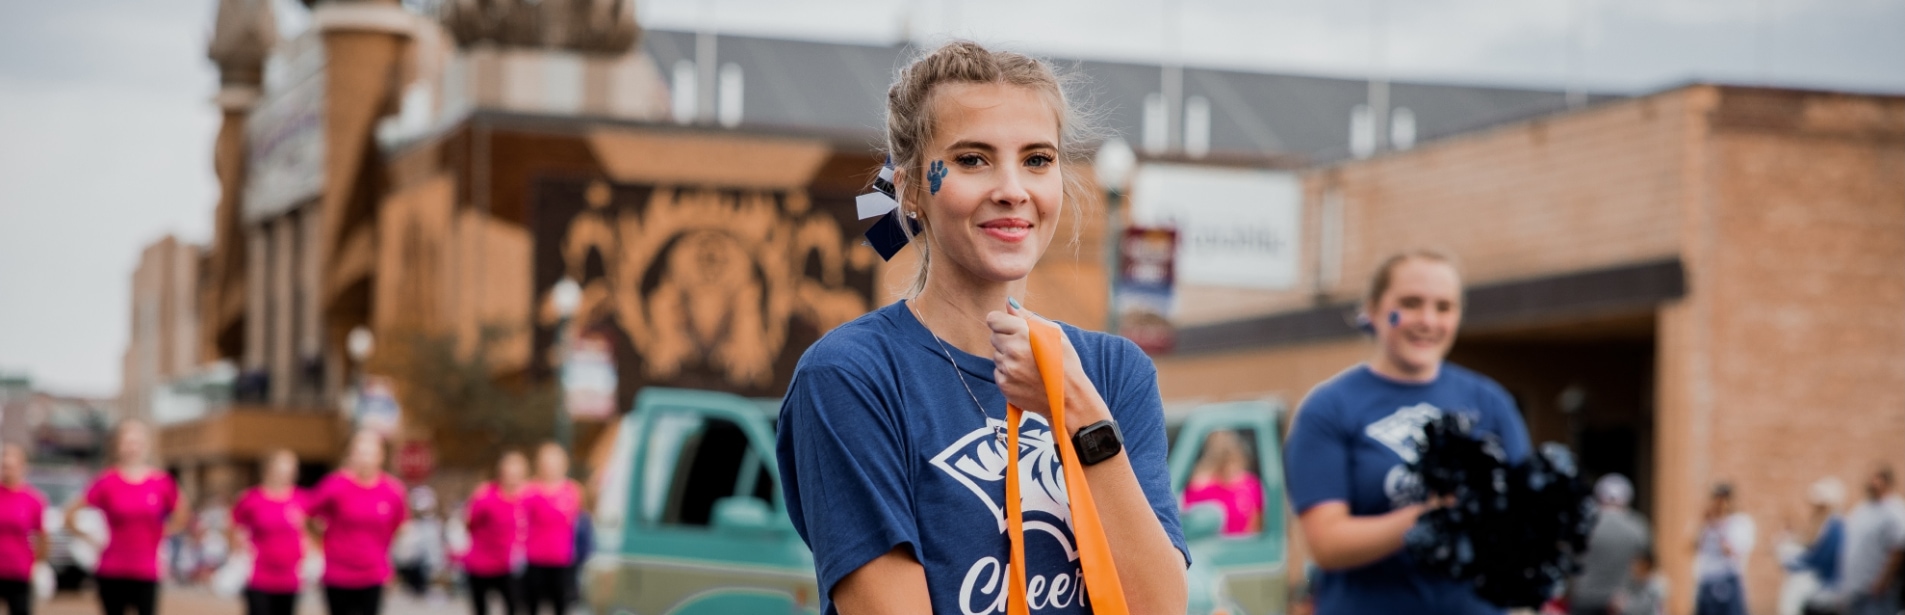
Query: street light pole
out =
(566, 297)
(358, 344)
(1113, 165)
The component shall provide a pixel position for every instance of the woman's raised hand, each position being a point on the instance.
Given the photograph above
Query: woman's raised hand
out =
(1014, 368)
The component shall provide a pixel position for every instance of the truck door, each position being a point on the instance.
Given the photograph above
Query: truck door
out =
(706, 530)
(1246, 558)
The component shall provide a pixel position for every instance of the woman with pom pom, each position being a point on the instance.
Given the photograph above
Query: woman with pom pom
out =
(1355, 436)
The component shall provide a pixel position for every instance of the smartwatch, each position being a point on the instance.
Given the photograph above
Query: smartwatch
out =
(1098, 441)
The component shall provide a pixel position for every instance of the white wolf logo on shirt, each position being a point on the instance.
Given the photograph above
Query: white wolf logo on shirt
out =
(979, 458)
(976, 460)
(1402, 433)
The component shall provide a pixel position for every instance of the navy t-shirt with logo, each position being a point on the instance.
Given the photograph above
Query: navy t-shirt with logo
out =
(881, 447)
(1351, 442)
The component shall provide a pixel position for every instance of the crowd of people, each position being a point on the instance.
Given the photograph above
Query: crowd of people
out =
(1837, 561)
(1849, 560)
(354, 531)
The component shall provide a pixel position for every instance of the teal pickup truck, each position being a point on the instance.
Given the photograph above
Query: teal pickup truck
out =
(689, 517)
(1241, 574)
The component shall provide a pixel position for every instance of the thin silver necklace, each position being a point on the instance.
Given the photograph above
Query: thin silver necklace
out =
(998, 431)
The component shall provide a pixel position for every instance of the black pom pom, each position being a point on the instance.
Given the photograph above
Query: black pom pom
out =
(1514, 532)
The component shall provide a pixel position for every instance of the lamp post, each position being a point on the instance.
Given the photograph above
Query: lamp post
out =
(358, 345)
(1113, 165)
(565, 297)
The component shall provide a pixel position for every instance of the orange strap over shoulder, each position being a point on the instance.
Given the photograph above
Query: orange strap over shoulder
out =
(1101, 583)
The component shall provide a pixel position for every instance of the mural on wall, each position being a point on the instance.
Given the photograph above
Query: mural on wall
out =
(701, 287)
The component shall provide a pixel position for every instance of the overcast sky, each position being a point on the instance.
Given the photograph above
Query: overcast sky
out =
(106, 123)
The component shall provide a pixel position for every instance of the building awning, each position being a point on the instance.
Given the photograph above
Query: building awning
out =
(1578, 295)
(251, 432)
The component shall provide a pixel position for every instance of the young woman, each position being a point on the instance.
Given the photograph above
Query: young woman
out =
(359, 508)
(1354, 435)
(495, 519)
(141, 505)
(891, 438)
(269, 521)
(553, 505)
(1223, 477)
(22, 531)
(1721, 551)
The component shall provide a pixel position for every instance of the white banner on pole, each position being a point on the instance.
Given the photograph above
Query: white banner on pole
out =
(1236, 227)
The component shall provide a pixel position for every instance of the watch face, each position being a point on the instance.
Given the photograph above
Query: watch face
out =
(1095, 444)
(1098, 442)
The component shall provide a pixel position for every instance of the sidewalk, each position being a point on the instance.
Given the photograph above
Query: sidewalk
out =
(199, 601)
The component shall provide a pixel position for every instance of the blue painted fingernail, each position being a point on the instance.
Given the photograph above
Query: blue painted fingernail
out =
(1014, 303)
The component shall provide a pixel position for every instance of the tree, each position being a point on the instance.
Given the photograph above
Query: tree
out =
(454, 393)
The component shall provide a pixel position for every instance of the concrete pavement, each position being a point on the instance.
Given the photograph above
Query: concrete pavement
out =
(175, 600)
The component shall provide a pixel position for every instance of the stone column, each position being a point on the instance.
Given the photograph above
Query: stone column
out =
(243, 35)
(365, 44)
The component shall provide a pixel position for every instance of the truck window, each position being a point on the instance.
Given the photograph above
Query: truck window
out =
(1228, 466)
(707, 460)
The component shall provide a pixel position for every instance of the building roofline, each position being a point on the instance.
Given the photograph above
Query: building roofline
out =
(1591, 106)
(578, 124)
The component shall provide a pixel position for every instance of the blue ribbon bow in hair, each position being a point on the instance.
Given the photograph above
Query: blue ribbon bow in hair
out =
(886, 236)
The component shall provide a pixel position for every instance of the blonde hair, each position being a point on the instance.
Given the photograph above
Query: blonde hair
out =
(1385, 272)
(271, 458)
(1222, 449)
(274, 455)
(126, 425)
(504, 458)
(910, 122)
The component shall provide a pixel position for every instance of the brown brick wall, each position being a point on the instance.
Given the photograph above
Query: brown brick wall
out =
(1596, 188)
(1786, 360)
(1566, 193)
(1789, 357)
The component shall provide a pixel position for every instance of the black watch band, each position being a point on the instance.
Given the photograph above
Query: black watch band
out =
(1098, 441)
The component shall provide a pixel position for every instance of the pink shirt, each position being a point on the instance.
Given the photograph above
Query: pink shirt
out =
(1241, 498)
(552, 516)
(276, 531)
(496, 531)
(22, 513)
(135, 516)
(359, 523)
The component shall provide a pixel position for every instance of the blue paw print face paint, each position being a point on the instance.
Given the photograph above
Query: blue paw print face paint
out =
(1395, 318)
(935, 174)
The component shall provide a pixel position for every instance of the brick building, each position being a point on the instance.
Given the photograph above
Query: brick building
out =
(1696, 286)
(1640, 271)
(431, 179)
(162, 342)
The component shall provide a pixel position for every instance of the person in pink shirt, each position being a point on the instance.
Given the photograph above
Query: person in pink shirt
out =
(358, 508)
(141, 505)
(1222, 476)
(272, 519)
(553, 504)
(22, 531)
(495, 520)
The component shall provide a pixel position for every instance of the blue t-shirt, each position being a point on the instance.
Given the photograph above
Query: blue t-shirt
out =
(1822, 558)
(880, 446)
(1351, 442)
